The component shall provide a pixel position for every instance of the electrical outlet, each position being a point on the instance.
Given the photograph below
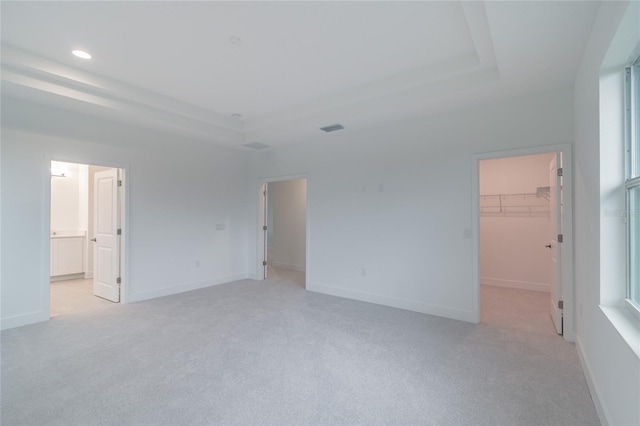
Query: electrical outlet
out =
(221, 227)
(381, 188)
(363, 272)
(197, 263)
(466, 234)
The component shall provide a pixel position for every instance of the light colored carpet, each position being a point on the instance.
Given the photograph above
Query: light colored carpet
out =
(74, 296)
(269, 352)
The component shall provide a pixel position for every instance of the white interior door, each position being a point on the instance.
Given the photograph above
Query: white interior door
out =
(555, 230)
(106, 253)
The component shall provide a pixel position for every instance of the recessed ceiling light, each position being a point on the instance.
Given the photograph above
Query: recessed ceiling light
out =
(235, 40)
(236, 116)
(81, 54)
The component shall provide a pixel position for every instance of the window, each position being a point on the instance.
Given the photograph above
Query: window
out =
(632, 182)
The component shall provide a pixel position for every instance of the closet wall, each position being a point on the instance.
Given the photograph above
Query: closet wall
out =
(514, 222)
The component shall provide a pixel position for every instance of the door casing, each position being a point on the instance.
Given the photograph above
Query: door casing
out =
(124, 224)
(568, 287)
(555, 252)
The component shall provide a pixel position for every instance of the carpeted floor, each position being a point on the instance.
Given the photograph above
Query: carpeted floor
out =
(272, 353)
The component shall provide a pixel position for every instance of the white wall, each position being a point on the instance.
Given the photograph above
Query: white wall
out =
(65, 199)
(178, 190)
(406, 236)
(83, 197)
(69, 204)
(612, 366)
(289, 201)
(512, 244)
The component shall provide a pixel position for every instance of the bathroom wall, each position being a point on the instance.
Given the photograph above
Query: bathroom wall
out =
(65, 198)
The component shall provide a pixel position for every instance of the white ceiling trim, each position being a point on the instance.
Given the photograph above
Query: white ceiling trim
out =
(411, 80)
(55, 72)
(413, 87)
(466, 71)
(35, 72)
(378, 109)
(478, 25)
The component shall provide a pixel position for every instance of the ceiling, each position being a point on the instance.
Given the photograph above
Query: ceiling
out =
(288, 68)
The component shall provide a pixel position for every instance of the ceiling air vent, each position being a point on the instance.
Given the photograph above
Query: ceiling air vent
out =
(332, 128)
(256, 145)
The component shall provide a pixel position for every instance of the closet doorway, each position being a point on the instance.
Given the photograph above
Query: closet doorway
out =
(520, 241)
(85, 237)
(282, 239)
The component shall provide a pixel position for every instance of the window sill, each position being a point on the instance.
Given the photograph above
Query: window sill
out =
(626, 323)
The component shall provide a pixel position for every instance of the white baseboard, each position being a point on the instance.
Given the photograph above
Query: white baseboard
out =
(290, 266)
(409, 305)
(603, 413)
(181, 288)
(25, 319)
(88, 275)
(66, 277)
(254, 277)
(522, 285)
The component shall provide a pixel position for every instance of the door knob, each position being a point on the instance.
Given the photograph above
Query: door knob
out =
(548, 246)
(94, 240)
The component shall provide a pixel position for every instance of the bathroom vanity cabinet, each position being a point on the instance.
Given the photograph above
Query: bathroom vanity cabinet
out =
(67, 253)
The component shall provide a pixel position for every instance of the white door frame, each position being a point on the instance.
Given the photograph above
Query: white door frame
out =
(568, 285)
(124, 240)
(261, 222)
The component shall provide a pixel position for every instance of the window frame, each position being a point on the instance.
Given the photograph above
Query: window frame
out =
(632, 176)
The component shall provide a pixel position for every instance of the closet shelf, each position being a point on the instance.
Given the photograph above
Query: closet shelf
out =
(516, 204)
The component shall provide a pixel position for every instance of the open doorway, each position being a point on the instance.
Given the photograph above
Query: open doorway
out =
(85, 237)
(283, 244)
(520, 238)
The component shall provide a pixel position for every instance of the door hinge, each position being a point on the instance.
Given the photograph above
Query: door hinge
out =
(559, 171)
(264, 228)
(119, 280)
(264, 263)
(560, 238)
(264, 193)
(119, 183)
(119, 231)
(560, 304)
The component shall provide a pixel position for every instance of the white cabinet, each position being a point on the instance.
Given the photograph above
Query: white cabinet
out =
(67, 254)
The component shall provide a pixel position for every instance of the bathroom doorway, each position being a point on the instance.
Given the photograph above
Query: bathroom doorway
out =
(85, 237)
